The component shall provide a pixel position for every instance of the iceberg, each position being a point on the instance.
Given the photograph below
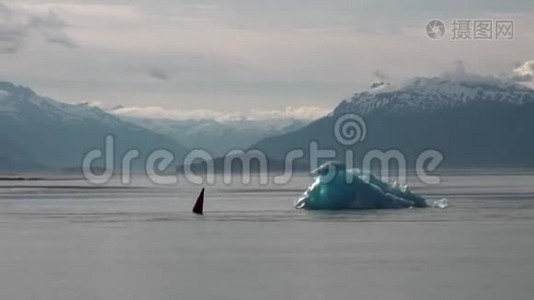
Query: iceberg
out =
(336, 187)
(442, 203)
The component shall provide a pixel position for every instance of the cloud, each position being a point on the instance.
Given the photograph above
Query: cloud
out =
(380, 76)
(159, 74)
(525, 72)
(92, 104)
(460, 73)
(156, 112)
(18, 24)
(459, 67)
(243, 54)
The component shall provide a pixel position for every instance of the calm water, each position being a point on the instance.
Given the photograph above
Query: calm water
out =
(65, 239)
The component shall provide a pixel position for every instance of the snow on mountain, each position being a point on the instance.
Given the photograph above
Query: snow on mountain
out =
(218, 137)
(473, 121)
(254, 114)
(19, 102)
(430, 94)
(215, 131)
(56, 134)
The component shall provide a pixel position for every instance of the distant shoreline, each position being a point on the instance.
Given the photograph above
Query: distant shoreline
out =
(21, 179)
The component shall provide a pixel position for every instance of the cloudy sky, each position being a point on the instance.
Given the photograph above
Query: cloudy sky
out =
(287, 56)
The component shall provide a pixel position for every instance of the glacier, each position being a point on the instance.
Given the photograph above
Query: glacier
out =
(336, 187)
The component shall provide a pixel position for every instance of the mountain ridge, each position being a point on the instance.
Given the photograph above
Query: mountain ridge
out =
(422, 93)
(490, 125)
(58, 135)
(217, 138)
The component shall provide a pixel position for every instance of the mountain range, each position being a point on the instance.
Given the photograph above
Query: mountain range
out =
(471, 121)
(40, 133)
(217, 137)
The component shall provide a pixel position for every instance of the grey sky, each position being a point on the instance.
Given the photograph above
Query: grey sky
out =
(241, 54)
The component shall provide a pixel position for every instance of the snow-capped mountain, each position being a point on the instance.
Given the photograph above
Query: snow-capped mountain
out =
(21, 102)
(428, 94)
(58, 135)
(473, 121)
(218, 137)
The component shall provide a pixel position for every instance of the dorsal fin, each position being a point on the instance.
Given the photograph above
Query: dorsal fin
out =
(199, 205)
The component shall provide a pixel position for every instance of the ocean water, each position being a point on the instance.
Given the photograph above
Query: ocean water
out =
(66, 239)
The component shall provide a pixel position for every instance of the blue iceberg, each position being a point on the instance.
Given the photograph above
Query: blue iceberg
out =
(336, 187)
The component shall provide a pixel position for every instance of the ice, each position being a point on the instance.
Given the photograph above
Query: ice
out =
(442, 203)
(336, 187)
